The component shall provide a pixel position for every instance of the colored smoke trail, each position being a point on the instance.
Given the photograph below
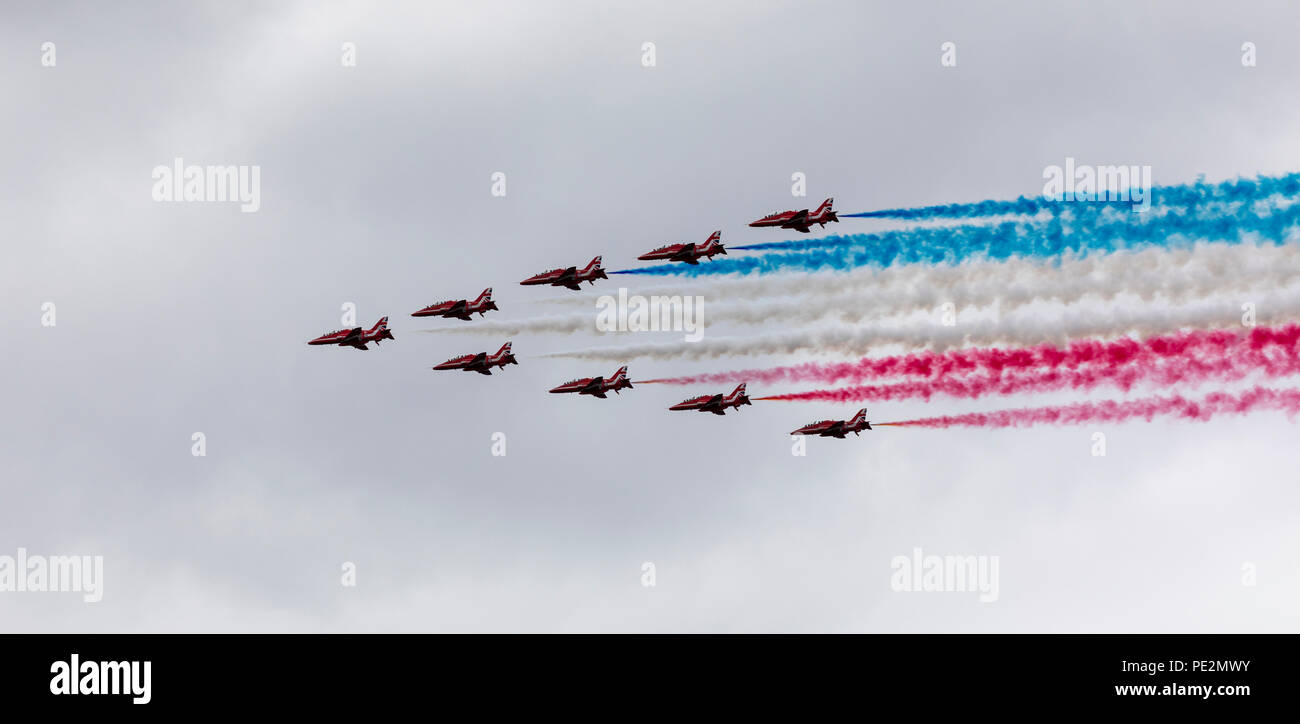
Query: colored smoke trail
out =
(537, 325)
(1260, 345)
(1230, 191)
(1215, 404)
(1120, 373)
(1172, 276)
(999, 241)
(1019, 329)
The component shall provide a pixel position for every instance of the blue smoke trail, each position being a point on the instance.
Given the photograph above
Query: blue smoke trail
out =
(1021, 205)
(997, 242)
(1188, 199)
(1240, 189)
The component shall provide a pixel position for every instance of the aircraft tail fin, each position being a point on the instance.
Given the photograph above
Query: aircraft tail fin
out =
(860, 418)
(713, 245)
(380, 330)
(827, 211)
(505, 356)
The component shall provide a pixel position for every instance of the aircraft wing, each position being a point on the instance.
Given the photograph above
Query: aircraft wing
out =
(712, 404)
(354, 339)
(567, 279)
(686, 253)
(799, 221)
(836, 430)
(479, 364)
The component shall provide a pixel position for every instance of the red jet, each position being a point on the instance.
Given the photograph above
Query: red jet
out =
(801, 220)
(597, 386)
(717, 404)
(356, 337)
(482, 362)
(570, 277)
(837, 428)
(691, 253)
(460, 309)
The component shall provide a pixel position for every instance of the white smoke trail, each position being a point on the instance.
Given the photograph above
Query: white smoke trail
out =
(1173, 276)
(536, 325)
(1022, 328)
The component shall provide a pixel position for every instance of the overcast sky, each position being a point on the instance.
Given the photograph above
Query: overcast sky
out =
(375, 190)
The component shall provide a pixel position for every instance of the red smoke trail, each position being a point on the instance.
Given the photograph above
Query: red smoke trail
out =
(1080, 354)
(1198, 367)
(1257, 399)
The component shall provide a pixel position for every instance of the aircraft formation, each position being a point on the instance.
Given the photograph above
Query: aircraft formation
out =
(572, 277)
